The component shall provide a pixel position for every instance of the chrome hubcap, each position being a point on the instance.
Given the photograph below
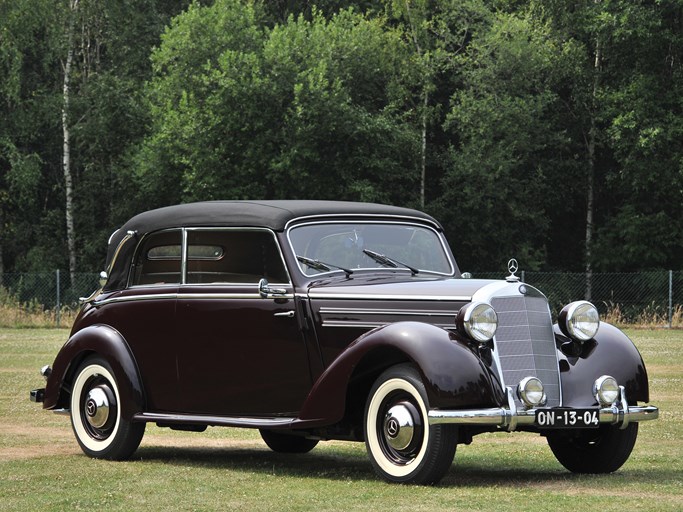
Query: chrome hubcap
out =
(399, 427)
(97, 407)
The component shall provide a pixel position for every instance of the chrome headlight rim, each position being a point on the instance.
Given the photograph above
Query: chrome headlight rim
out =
(531, 392)
(606, 390)
(478, 321)
(571, 326)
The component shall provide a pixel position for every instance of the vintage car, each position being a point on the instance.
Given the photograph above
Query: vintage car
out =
(317, 320)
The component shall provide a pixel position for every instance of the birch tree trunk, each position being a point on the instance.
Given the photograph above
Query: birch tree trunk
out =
(423, 163)
(425, 105)
(590, 185)
(66, 155)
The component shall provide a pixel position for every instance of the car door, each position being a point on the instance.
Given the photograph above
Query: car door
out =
(241, 353)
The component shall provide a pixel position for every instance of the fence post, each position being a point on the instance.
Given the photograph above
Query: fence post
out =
(59, 306)
(671, 296)
(523, 277)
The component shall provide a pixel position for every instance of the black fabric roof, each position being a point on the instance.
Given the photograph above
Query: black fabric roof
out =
(270, 214)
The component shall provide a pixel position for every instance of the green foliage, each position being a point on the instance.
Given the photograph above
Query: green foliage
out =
(504, 161)
(308, 109)
(176, 101)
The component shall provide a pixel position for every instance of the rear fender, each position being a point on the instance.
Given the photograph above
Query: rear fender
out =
(453, 374)
(107, 343)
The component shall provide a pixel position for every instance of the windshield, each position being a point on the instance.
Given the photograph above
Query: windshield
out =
(327, 247)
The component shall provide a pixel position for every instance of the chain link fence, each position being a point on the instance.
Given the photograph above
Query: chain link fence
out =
(628, 298)
(49, 295)
(652, 298)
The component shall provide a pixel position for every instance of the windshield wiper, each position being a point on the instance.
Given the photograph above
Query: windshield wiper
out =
(323, 267)
(389, 262)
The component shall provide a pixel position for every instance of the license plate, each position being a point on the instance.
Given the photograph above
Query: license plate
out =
(567, 418)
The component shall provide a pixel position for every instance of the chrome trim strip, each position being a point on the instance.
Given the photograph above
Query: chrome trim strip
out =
(221, 296)
(371, 325)
(340, 216)
(183, 257)
(346, 296)
(132, 298)
(398, 312)
(198, 419)
(129, 234)
(185, 296)
(342, 323)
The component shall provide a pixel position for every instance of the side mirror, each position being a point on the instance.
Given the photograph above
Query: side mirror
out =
(466, 275)
(266, 292)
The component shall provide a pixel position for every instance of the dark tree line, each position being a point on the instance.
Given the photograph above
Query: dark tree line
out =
(546, 130)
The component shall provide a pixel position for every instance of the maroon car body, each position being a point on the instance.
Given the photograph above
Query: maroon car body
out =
(314, 320)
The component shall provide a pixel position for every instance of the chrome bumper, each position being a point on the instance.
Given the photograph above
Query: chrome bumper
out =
(510, 418)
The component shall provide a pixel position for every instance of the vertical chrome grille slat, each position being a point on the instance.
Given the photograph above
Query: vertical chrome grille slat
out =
(525, 343)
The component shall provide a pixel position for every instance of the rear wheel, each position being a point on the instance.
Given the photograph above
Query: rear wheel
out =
(287, 443)
(96, 418)
(601, 450)
(402, 446)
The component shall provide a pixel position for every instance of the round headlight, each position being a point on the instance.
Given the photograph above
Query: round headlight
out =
(530, 391)
(606, 390)
(579, 320)
(478, 320)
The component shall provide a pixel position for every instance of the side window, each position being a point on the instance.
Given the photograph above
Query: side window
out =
(233, 256)
(158, 259)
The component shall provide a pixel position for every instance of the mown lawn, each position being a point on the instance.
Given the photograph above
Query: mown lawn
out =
(42, 468)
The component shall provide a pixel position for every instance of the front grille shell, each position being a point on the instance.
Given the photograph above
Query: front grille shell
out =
(524, 344)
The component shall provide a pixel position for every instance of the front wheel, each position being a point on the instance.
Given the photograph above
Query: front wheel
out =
(402, 446)
(96, 418)
(602, 450)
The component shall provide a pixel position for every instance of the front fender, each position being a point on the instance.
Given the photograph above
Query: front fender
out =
(611, 352)
(108, 343)
(453, 374)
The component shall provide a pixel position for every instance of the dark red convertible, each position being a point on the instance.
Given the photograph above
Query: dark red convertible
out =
(317, 320)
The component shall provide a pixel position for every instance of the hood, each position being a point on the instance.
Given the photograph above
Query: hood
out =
(404, 288)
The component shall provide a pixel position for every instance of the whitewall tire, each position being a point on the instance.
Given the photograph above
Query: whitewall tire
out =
(401, 444)
(96, 418)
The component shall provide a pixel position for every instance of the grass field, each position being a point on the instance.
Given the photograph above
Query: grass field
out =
(42, 468)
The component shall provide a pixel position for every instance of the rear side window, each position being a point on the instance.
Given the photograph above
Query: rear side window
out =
(158, 260)
(233, 256)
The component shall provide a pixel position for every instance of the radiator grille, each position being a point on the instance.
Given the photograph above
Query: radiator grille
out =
(525, 343)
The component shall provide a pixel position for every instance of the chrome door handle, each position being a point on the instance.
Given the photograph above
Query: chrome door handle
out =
(285, 314)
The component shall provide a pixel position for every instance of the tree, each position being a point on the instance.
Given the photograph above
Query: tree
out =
(438, 33)
(642, 120)
(309, 108)
(494, 115)
(66, 138)
(624, 117)
(104, 117)
(507, 148)
(26, 106)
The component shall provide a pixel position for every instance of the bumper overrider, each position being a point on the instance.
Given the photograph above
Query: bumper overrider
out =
(38, 395)
(513, 417)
